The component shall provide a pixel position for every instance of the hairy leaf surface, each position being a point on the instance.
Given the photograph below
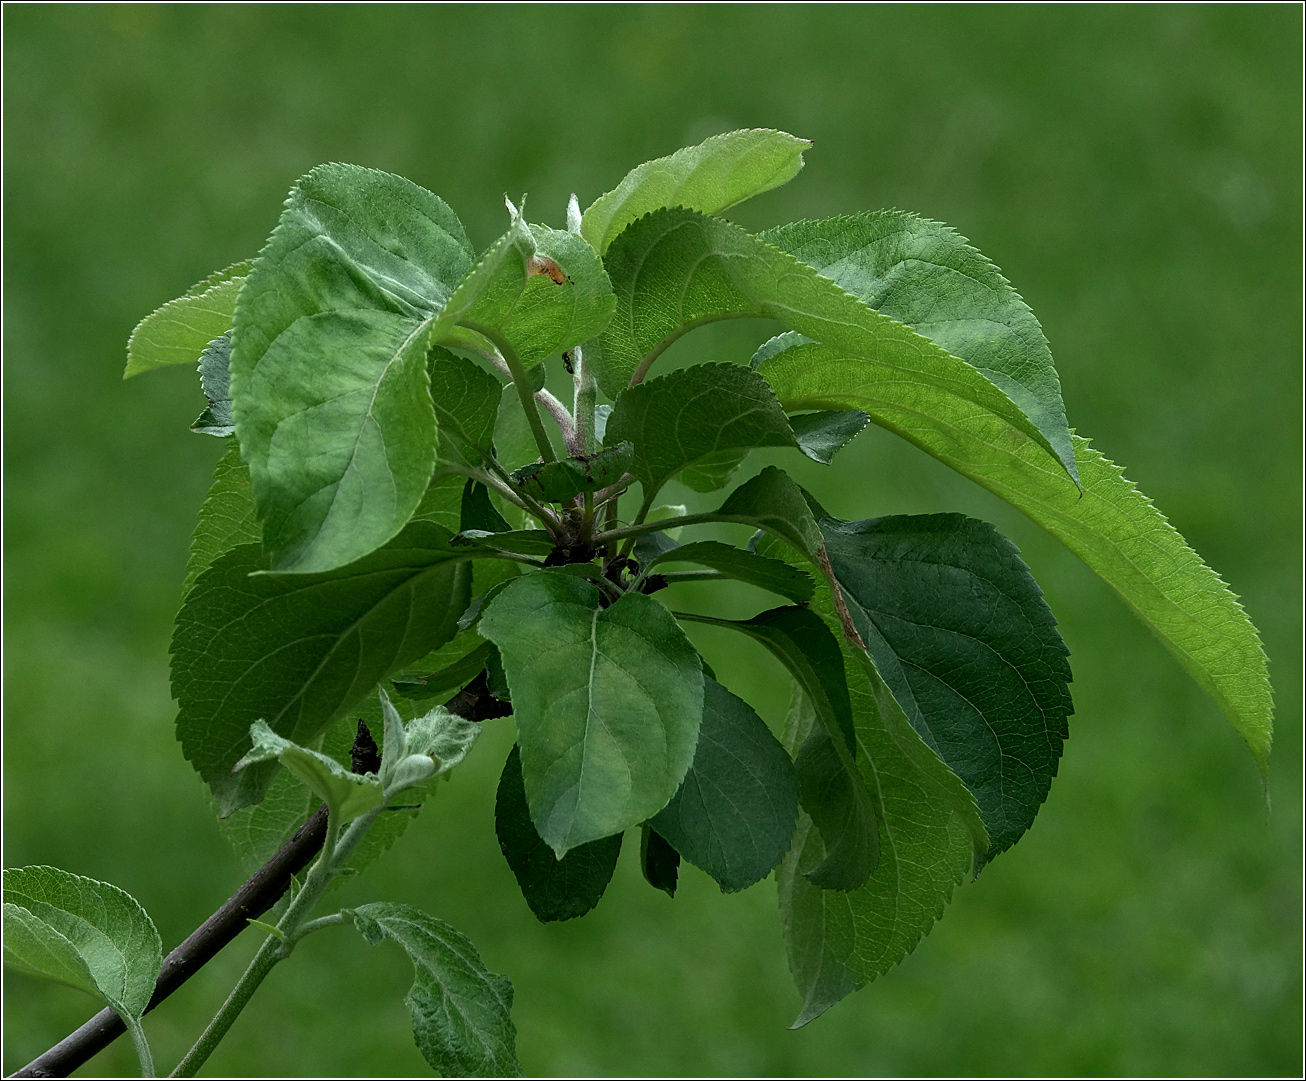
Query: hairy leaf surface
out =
(607, 703)
(709, 411)
(923, 274)
(462, 1012)
(555, 889)
(182, 329)
(735, 812)
(711, 177)
(298, 650)
(348, 794)
(328, 366)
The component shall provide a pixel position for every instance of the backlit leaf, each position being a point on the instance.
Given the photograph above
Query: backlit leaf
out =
(182, 329)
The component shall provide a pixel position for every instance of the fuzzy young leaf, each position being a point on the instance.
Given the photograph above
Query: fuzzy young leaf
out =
(328, 366)
(462, 1012)
(710, 413)
(960, 633)
(762, 571)
(226, 517)
(607, 703)
(1112, 527)
(180, 331)
(734, 814)
(215, 381)
(711, 177)
(347, 794)
(83, 933)
(555, 889)
(298, 650)
(923, 274)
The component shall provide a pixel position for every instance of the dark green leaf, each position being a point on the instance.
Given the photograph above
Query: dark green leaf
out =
(215, 381)
(607, 703)
(766, 573)
(676, 270)
(462, 1012)
(923, 274)
(298, 650)
(960, 633)
(328, 366)
(526, 542)
(707, 415)
(83, 933)
(560, 481)
(555, 889)
(226, 517)
(183, 328)
(447, 680)
(478, 513)
(830, 786)
(773, 502)
(822, 435)
(466, 400)
(734, 815)
(658, 861)
(712, 176)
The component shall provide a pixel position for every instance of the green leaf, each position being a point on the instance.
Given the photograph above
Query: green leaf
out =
(257, 833)
(447, 680)
(822, 435)
(426, 747)
(1112, 527)
(838, 941)
(712, 176)
(676, 270)
(479, 514)
(923, 274)
(466, 399)
(708, 415)
(462, 1012)
(561, 481)
(960, 633)
(658, 861)
(83, 933)
(299, 650)
(830, 787)
(514, 444)
(734, 814)
(555, 889)
(348, 794)
(607, 703)
(526, 542)
(226, 517)
(215, 381)
(773, 502)
(182, 329)
(328, 365)
(771, 574)
(541, 289)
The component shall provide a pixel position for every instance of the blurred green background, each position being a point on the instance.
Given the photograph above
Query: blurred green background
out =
(1136, 173)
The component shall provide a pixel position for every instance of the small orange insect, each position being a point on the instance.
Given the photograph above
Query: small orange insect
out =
(542, 264)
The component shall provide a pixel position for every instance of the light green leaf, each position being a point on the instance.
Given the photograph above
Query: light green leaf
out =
(675, 270)
(328, 366)
(299, 650)
(1113, 528)
(347, 794)
(226, 517)
(425, 747)
(514, 444)
(960, 633)
(607, 703)
(466, 399)
(923, 274)
(838, 941)
(182, 329)
(215, 381)
(711, 177)
(734, 814)
(83, 933)
(830, 787)
(708, 416)
(762, 571)
(257, 833)
(462, 1012)
(555, 889)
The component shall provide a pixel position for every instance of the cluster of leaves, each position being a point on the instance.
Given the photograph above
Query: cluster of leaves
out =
(392, 506)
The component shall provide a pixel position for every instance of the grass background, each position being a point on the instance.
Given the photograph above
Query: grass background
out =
(1136, 173)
